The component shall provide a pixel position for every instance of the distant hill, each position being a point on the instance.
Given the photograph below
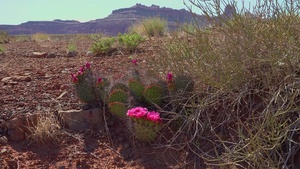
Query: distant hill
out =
(118, 21)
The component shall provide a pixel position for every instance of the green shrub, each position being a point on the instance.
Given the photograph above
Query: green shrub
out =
(95, 37)
(130, 41)
(3, 37)
(104, 45)
(71, 47)
(151, 27)
(245, 107)
(2, 50)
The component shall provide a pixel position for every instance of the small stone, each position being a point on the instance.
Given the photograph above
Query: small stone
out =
(89, 54)
(64, 87)
(3, 140)
(121, 139)
(126, 145)
(51, 55)
(3, 150)
(71, 54)
(6, 80)
(39, 54)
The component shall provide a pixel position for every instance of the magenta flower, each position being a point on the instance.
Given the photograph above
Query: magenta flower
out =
(153, 116)
(79, 73)
(87, 65)
(99, 80)
(75, 80)
(169, 78)
(72, 75)
(137, 112)
(134, 62)
(81, 69)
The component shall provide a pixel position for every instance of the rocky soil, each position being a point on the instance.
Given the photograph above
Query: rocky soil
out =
(35, 79)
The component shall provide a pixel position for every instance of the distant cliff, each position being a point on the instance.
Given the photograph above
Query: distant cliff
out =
(118, 21)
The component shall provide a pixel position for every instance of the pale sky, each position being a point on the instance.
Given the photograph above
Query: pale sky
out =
(14, 12)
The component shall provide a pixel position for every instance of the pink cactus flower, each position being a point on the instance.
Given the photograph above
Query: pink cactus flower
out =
(81, 69)
(99, 80)
(87, 65)
(75, 80)
(72, 75)
(153, 116)
(137, 112)
(79, 73)
(169, 78)
(134, 62)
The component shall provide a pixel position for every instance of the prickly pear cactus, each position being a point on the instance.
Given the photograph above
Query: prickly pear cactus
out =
(119, 86)
(118, 109)
(102, 94)
(136, 87)
(153, 94)
(144, 132)
(86, 92)
(117, 95)
(184, 84)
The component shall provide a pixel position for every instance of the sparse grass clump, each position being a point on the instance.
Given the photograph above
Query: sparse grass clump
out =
(2, 50)
(245, 110)
(150, 27)
(39, 37)
(4, 37)
(71, 47)
(48, 129)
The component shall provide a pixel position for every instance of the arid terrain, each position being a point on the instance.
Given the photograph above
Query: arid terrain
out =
(34, 84)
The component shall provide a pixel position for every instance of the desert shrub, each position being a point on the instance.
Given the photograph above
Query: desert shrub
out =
(40, 37)
(3, 37)
(130, 41)
(71, 47)
(2, 50)
(245, 110)
(103, 45)
(151, 27)
(95, 37)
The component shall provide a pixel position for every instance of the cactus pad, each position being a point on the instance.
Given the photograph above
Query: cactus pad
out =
(86, 92)
(144, 133)
(118, 109)
(136, 87)
(119, 86)
(153, 94)
(117, 95)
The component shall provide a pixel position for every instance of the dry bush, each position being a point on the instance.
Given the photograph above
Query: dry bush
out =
(48, 129)
(39, 37)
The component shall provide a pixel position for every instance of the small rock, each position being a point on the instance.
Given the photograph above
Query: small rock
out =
(51, 55)
(89, 54)
(6, 80)
(3, 140)
(39, 54)
(3, 150)
(78, 120)
(71, 54)
(126, 145)
(121, 139)
(64, 87)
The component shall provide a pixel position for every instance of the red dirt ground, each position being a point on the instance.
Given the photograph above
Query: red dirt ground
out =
(49, 79)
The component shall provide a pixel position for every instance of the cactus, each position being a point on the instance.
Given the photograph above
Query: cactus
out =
(102, 94)
(86, 92)
(145, 133)
(184, 84)
(153, 94)
(136, 88)
(119, 86)
(118, 109)
(117, 95)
